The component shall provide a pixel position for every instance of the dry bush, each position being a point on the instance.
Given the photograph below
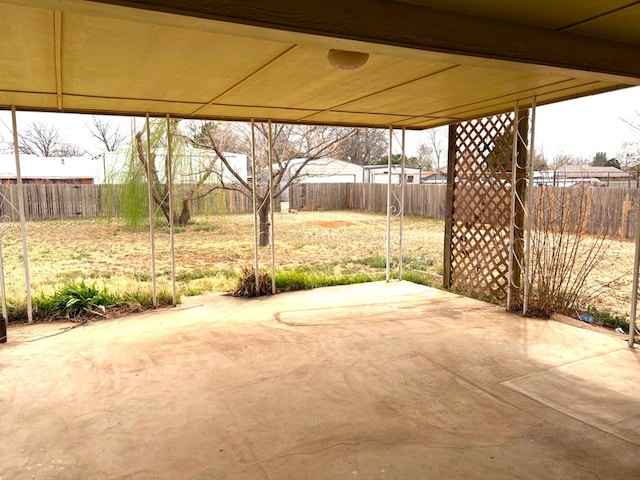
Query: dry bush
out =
(566, 247)
(247, 285)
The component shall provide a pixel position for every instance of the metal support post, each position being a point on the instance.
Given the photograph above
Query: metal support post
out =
(4, 326)
(271, 226)
(152, 236)
(634, 287)
(512, 217)
(169, 179)
(23, 223)
(388, 234)
(402, 191)
(256, 226)
(529, 210)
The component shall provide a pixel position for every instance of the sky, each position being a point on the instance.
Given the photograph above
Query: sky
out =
(580, 127)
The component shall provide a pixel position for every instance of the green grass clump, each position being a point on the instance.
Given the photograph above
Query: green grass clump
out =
(205, 273)
(419, 278)
(144, 298)
(76, 299)
(298, 279)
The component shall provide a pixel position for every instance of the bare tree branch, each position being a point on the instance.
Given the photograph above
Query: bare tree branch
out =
(46, 141)
(106, 133)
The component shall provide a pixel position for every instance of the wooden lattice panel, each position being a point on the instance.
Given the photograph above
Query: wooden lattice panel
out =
(482, 206)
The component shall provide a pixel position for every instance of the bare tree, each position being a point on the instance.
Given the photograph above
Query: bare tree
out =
(425, 156)
(634, 122)
(562, 159)
(364, 146)
(290, 142)
(202, 173)
(629, 156)
(106, 133)
(431, 152)
(540, 160)
(46, 141)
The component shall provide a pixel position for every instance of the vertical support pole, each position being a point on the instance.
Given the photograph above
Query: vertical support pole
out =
(254, 189)
(634, 287)
(512, 217)
(5, 318)
(529, 210)
(271, 227)
(23, 223)
(402, 191)
(172, 245)
(522, 160)
(388, 231)
(448, 223)
(152, 235)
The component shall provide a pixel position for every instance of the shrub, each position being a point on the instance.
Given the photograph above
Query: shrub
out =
(563, 254)
(76, 299)
(247, 285)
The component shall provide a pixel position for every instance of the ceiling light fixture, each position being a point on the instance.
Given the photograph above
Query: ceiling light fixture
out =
(347, 60)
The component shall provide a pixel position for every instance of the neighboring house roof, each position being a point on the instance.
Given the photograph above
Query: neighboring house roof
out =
(433, 174)
(588, 171)
(32, 166)
(393, 167)
(325, 167)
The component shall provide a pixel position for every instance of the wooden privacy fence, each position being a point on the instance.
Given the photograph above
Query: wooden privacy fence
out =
(58, 201)
(613, 210)
(420, 200)
(608, 210)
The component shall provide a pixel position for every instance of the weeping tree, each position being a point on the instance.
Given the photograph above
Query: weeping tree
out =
(289, 142)
(192, 172)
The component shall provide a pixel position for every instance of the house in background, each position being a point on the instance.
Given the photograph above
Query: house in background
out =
(321, 170)
(325, 170)
(433, 178)
(380, 174)
(49, 170)
(575, 174)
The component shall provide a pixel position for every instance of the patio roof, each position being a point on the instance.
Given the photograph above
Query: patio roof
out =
(431, 63)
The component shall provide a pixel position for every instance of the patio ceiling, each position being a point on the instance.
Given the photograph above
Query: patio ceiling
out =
(248, 59)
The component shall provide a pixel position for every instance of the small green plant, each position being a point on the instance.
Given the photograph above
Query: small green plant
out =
(607, 319)
(76, 299)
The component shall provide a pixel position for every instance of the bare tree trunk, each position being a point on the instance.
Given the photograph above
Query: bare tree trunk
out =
(185, 215)
(263, 216)
(160, 191)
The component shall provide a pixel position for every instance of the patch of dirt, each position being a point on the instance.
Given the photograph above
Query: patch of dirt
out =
(330, 224)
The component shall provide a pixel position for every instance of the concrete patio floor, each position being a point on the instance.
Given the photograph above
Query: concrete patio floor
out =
(374, 381)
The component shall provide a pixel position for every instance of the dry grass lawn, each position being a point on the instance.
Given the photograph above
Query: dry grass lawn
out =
(211, 251)
(208, 252)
